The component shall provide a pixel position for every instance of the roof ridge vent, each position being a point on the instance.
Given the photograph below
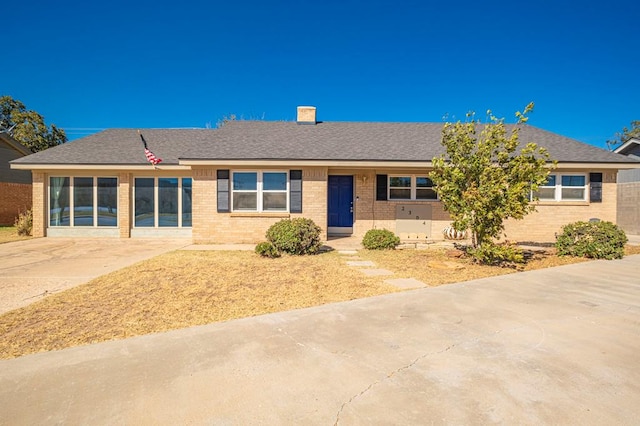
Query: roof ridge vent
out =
(306, 115)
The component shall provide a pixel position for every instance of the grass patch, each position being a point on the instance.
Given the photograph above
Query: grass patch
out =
(9, 234)
(177, 290)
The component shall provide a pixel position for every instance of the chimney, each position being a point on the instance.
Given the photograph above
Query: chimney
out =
(306, 115)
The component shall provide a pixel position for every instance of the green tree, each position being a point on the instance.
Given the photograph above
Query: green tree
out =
(485, 177)
(626, 134)
(27, 126)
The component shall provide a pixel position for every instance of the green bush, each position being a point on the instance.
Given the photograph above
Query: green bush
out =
(597, 240)
(505, 254)
(295, 236)
(267, 249)
(24, 223)
(380, 239)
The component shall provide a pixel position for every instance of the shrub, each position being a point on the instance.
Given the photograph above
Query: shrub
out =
(380, 239)
(295, 236)
(597, 240)
(24, 223)
(267, 249)
(505, 254)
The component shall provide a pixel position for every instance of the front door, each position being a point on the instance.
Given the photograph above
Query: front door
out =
(340, 205)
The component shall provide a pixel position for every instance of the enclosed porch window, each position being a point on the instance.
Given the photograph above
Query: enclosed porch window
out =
(83, 201)
(163, 202)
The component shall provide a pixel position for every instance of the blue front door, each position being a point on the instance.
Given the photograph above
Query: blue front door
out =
(340, 203)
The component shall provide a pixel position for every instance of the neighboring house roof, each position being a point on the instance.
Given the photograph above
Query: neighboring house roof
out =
(630, 147)
(290, 141)
(11, 149)
(9, 141)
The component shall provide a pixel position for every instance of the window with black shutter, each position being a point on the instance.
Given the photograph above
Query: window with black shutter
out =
(223, 191)
(295, 191)
(381, 187)
(595, 187)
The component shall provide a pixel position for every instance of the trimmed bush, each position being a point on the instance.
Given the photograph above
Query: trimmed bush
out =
(24, 223)
(295, 236)
(505, 254)
(380, 239)
(597, 240)
(267, 249)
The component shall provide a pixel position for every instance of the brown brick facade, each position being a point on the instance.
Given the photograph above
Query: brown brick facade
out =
(209, 226)
(14, 199)
(547, 221)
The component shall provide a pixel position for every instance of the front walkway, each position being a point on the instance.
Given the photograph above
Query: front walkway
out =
(552, 346)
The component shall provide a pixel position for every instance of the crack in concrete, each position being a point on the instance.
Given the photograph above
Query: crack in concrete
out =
(389, 375)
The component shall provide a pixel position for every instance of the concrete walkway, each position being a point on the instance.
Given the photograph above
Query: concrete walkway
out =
(555, 346)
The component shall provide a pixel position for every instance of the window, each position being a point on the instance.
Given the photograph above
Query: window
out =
(411, 188)
(107, 202)
(145, 201)
(162, 202)
(548, 190)
(259, 191)
(186, 202)
(573, 187)
(563, 187)
(83, 201)
(168, 202)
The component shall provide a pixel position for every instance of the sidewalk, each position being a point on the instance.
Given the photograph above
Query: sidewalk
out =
(554, 346)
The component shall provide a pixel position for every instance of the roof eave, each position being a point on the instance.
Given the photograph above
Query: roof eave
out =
(627, 144)
(49, 166)
(302, 163)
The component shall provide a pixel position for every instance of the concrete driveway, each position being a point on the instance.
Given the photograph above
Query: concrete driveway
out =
(555, 346)
(32, 269)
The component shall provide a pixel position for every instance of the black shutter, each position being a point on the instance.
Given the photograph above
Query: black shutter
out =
(223, 191)
(595, 185)
(381, 187)
(295, 191)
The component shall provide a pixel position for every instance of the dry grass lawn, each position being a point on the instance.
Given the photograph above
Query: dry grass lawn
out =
(187, 288)
(435, 267)
(180, 289)
(9, 234)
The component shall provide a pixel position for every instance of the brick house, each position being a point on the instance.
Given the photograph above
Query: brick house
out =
(228, 185)
(15, 185)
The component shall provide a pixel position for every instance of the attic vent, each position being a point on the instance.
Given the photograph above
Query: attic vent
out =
(306, 115)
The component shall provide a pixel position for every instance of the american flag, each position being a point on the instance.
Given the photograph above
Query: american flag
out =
(151, 158)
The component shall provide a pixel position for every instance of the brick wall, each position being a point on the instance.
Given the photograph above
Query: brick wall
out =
(125, 209)
(209, 226)
(39, 204)
(14, 199)
(542, 225)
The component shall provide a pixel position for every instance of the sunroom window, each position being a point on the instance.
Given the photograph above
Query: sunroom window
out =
(260, 191)
(163, 202)
(411, 187)
(83, 201)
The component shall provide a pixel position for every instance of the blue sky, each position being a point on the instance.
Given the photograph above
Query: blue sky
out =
(87, 66)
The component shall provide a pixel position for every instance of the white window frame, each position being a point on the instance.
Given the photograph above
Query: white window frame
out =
(260, 191)
(413, 188)
(558, 188)
(72, 201)
(156, 212)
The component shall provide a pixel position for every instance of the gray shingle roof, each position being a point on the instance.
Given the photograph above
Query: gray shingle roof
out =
(268, 140)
